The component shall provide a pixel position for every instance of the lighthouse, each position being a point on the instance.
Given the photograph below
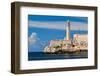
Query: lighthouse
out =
(68, 30)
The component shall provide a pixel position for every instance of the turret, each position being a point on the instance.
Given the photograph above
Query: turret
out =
(68, 30)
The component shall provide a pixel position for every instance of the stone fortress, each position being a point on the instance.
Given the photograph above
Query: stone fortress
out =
(77, 44)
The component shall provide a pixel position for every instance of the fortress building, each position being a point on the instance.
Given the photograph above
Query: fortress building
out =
(78, 43)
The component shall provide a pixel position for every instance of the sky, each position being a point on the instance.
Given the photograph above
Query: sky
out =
(43, 28)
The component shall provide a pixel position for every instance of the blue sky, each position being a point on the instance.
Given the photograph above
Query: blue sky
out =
(56, 18)
(43, 28)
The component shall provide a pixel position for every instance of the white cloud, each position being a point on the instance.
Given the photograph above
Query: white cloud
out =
(58, 25)
(33, 38)
(35, 44)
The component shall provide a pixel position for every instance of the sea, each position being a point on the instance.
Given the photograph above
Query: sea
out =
(44, 56)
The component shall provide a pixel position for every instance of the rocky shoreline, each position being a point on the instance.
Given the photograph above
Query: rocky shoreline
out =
(66, 52)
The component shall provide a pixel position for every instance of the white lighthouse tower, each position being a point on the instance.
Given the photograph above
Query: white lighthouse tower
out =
(68, 31)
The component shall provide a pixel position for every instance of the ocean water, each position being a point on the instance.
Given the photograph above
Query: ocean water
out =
(43, 56)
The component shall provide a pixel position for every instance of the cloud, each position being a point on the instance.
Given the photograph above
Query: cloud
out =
(35, 44)
(33, 38)
(32, 41)
(58, 25)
